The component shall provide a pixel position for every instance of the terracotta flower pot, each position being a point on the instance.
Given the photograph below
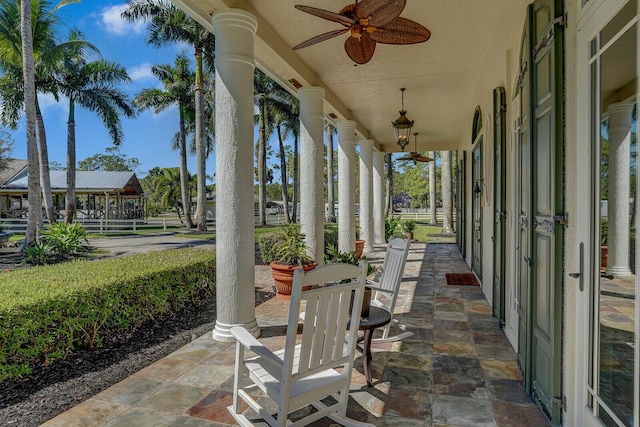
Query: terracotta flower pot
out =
(359, 247)
(283, 277)
(604, 254)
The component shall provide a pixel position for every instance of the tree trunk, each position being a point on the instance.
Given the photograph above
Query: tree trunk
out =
(389, 185)
(70, 197)
(432, 189)
(45, 178)
(283, 175)
(330, 176)
(28, 73)
(201, 149)
(184, 172)
(262, 165)
(447, 205)
(296, 181)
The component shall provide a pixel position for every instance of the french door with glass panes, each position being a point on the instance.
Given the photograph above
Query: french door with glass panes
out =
(608, 309)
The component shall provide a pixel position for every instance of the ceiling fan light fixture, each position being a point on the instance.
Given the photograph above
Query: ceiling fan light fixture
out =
(402, 126)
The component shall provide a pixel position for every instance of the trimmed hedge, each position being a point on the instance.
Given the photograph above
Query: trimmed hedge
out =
(47, 311)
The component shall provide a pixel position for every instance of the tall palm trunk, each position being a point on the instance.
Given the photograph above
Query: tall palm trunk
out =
(184, 173)
(447, 206)
(262, 165)
(283, 175)
(330, 182)
(28, 73)
(389, 185)
(70, 197)
(296, 181)
(201, 149)
(45, 179)
(432, 189)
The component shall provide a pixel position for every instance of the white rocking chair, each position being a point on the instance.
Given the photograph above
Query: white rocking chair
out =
(319, 366)
(385, 290)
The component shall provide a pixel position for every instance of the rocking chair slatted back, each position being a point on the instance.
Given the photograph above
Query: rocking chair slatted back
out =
(324, 331)
(387, 288)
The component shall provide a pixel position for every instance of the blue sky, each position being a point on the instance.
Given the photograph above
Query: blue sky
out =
(148, 136)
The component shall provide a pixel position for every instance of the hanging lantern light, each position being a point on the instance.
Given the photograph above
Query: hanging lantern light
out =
(402, 126)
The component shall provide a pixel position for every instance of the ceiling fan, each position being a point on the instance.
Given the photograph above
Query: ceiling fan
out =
(415, 156)
(369, 22)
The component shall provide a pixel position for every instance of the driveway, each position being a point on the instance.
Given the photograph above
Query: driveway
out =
(141, 243)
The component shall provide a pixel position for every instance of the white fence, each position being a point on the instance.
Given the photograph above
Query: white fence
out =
(133, 225)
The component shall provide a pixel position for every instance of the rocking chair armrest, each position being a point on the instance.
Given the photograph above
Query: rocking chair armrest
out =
(375, 286)
(244, 338)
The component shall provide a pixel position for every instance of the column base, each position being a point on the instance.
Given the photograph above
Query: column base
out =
(222, 332)
(618, 271)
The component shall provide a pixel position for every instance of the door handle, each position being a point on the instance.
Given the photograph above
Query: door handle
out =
(580, 274)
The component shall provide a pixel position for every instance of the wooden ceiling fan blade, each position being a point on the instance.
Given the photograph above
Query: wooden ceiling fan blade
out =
(328, 15)
(381, 11)
(360, 51)
(320, 38)
(401, 31)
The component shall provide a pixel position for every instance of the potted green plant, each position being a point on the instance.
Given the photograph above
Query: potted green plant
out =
(390, 225)
(407, 227)
(290, 250)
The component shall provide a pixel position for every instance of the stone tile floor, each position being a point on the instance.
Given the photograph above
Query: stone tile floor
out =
(458, 369)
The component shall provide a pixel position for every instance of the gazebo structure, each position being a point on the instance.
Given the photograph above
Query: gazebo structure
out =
(538, 100)
(99, 194)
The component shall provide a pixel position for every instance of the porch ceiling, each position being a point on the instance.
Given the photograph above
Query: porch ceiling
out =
(439, 75)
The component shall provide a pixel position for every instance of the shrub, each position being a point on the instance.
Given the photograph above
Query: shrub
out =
(48, 311)
(38, 254)
(390, 225)
(64, 239)
(267, 244)
(330, 236)
(408, 226)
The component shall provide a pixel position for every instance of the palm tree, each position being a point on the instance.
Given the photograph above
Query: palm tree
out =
(262, 87)
(28, 68)
(92, 86)
(167, 188)
(178, 89)
(170, 24)
(286, 116)
(46, 55)
(330, 173)
(389, 184)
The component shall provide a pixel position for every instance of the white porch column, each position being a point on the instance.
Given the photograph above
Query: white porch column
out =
(235, 30)
(346, 185)
(378, 197)
(366, 193)
(312, 169)
(432, 189)
(618, 189)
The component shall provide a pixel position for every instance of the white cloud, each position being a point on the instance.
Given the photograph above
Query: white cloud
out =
(113, 22)
(140, 72)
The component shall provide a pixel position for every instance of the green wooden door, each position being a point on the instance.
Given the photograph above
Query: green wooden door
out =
(461, 182)
(523, 195)
(499, 201)
(476, 209)
(547, 204)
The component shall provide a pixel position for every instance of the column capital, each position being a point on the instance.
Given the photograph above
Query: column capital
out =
(346, 124)
(620, 107)
(234, 17)
(311, 91)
